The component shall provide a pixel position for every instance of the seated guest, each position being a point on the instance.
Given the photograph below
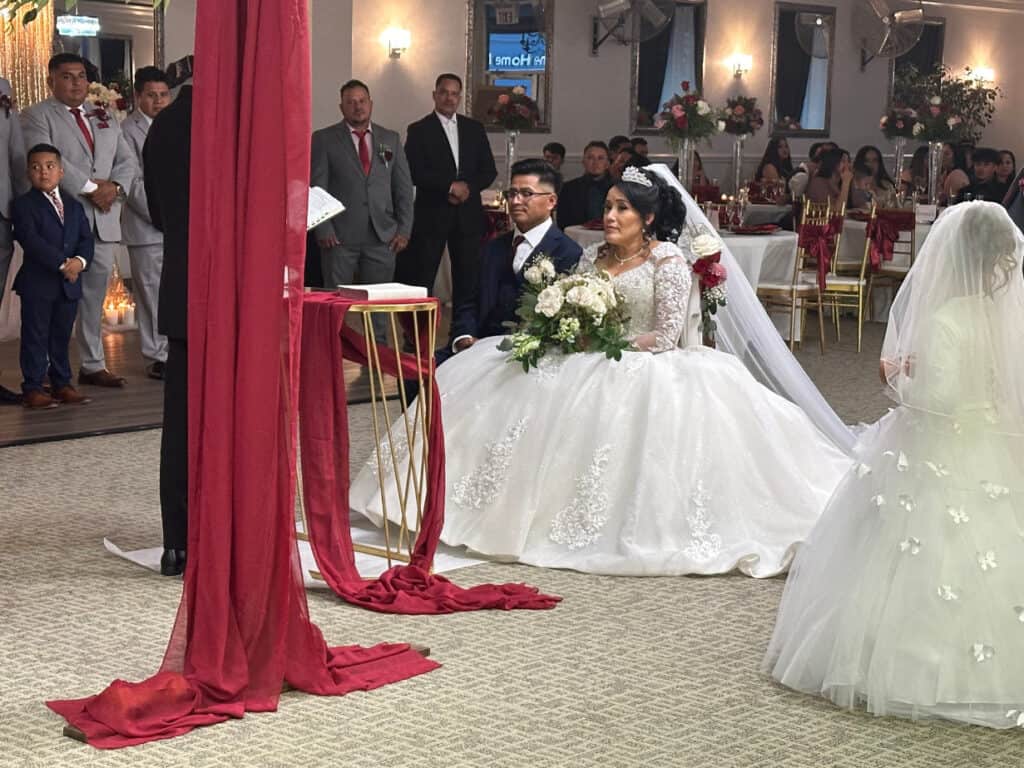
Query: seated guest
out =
(967, 148)
(799, 180)
(862, 190)
(616, 144)
(832, 181)
(1007, 167)
(915, 177)
(532, 199)
(871, 158)
(776, 163)
(640, 146)
(554, 154)
(699, 179)
(57, 243)
(954, 175)
(985, 185)
(626, 157)
(582, 199)
(1014, 201)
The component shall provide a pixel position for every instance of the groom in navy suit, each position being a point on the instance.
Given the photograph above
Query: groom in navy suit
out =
(532, 199)
(58, 245)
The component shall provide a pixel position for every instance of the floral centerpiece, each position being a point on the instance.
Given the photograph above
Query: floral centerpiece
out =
(899, 122)
(711, 276)
(105, 102)
(938, 122)
(515, 111)
(569, 313)
(787, 123)
(951, 107)
(686, 116)
(741, 116)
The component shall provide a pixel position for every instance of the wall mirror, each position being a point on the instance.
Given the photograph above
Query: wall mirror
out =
(803, 50)
(924, 56)
(667, 53)
(509, 45)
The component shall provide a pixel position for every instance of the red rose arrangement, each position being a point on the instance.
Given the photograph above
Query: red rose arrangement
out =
(686, 116)
(711, 276)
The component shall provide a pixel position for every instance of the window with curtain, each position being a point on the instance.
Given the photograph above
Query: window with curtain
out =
(666, 60)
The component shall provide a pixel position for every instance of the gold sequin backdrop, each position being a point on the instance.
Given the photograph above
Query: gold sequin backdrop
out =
(24, 53)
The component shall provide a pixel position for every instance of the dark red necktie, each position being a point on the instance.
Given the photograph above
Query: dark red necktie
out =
(364, 150)
(83, 128)
(516, 242)
(57, 204)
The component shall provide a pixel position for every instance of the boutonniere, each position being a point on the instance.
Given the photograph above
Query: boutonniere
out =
(7, 104)
(385, 154)
(101, 116)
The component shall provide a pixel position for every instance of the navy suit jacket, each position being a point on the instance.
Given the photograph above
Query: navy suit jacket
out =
(1015, 201)
(47, 243)
(499, 288)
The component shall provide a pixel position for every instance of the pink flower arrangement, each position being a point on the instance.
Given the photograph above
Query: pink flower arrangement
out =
(742, 116)
(686, 116)
(899, 122)
(514, 111)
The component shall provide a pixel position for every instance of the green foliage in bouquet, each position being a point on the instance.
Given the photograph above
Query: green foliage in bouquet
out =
(948, 107)
(566, 313)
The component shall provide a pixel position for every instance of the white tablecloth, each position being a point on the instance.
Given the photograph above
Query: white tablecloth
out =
(762, 213)
(764, 258)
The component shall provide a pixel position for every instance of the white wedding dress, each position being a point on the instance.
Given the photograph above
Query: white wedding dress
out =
(908, 597)
(669, 461)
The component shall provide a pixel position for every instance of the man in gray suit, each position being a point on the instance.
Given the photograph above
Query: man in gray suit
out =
(13, 182)
(98, 170)
(145, 242)
(364, 166)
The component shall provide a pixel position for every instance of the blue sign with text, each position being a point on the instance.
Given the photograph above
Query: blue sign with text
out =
(505, 53)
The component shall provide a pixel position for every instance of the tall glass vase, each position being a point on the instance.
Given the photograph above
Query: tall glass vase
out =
(511, 137)
(900, 148)
(685, 152)
(934, 169)
(737, 163)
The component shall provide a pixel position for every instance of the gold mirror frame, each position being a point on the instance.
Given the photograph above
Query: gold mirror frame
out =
(773, 128)
(475, 74)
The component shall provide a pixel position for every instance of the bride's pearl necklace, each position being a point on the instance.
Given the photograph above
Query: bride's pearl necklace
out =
(644, 249)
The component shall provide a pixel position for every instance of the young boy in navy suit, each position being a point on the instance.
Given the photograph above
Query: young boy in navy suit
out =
(58, 245)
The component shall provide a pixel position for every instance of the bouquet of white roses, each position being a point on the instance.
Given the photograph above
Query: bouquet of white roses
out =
(570, 313)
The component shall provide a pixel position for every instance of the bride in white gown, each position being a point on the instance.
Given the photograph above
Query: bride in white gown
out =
(670, 461)
(908, 598)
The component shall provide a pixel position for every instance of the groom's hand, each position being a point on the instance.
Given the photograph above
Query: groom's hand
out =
(464, 344)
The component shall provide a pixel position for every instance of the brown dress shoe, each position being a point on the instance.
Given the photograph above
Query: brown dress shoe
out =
(37, 400)
(71, 396)
(101, 378)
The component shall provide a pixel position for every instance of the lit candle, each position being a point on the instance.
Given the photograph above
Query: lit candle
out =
(129, 314)
(110, 314)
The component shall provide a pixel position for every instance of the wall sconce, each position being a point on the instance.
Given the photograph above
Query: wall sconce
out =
(397, 41)
(740, 63)
(983, 75)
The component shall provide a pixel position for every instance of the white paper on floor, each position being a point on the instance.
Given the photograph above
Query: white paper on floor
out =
(363, 532)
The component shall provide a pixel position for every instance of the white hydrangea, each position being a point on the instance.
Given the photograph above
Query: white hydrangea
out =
(547, 268)
(705, 245)
(549, 301)
(703, 108)
(568, 327)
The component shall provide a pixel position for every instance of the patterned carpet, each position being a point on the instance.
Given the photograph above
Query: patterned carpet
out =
(625, 672)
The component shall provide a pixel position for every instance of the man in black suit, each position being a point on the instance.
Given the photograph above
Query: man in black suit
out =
(532, 199)
(451, 162)
(582, 199)
(1014, 201)
(166, 156)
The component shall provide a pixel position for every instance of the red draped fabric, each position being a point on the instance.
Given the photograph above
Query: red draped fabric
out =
(884, 230)
(817, 241)
(323, 427)
(243, 629)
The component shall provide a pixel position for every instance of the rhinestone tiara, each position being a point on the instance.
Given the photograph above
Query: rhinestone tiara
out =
(636, 176)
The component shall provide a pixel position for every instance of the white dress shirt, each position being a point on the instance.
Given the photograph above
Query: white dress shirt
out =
(451, 130)
(60, 215)
(355, 139)
(90, 186)
(531, 239)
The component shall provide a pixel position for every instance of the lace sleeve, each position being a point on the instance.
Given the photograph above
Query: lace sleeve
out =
(587, 259)
(672, 278)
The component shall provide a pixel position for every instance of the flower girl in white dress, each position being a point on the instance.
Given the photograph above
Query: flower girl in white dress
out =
(668, 461)
(908, 597)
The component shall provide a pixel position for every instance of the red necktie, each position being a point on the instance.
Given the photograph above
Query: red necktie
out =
(57, 204)
(364, 150)
(83, 128)
(516, 242)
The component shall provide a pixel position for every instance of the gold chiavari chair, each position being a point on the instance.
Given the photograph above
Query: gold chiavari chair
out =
(843, 291)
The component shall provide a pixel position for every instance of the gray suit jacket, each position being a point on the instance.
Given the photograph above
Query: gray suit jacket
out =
(50, 122)
(135, 224)
(385, 195)
(1015, 201)
(13, 178)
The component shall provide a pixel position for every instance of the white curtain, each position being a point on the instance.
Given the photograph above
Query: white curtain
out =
(813, 115)
(681, 63)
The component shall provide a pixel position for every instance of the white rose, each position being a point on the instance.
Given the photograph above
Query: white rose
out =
(935, 101)
(918, 128)
(533, 275)
(549, 301)
(705, 245)
(580, 295)
(720, 125)
(519, 90)
(547, 269)
(703, 108)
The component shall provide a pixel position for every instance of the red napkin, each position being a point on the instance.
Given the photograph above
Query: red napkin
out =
(757, 229)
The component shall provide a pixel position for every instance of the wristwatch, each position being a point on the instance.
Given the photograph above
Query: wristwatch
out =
(120, 191)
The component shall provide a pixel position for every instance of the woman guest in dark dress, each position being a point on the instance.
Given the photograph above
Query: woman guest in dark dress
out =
(776, 163)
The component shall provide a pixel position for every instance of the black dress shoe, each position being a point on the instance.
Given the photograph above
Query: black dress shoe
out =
(172, 563)
(7, 397)
(156, 371)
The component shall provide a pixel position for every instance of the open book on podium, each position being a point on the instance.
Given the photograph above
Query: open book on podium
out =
(382, 292)
(322, 206)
